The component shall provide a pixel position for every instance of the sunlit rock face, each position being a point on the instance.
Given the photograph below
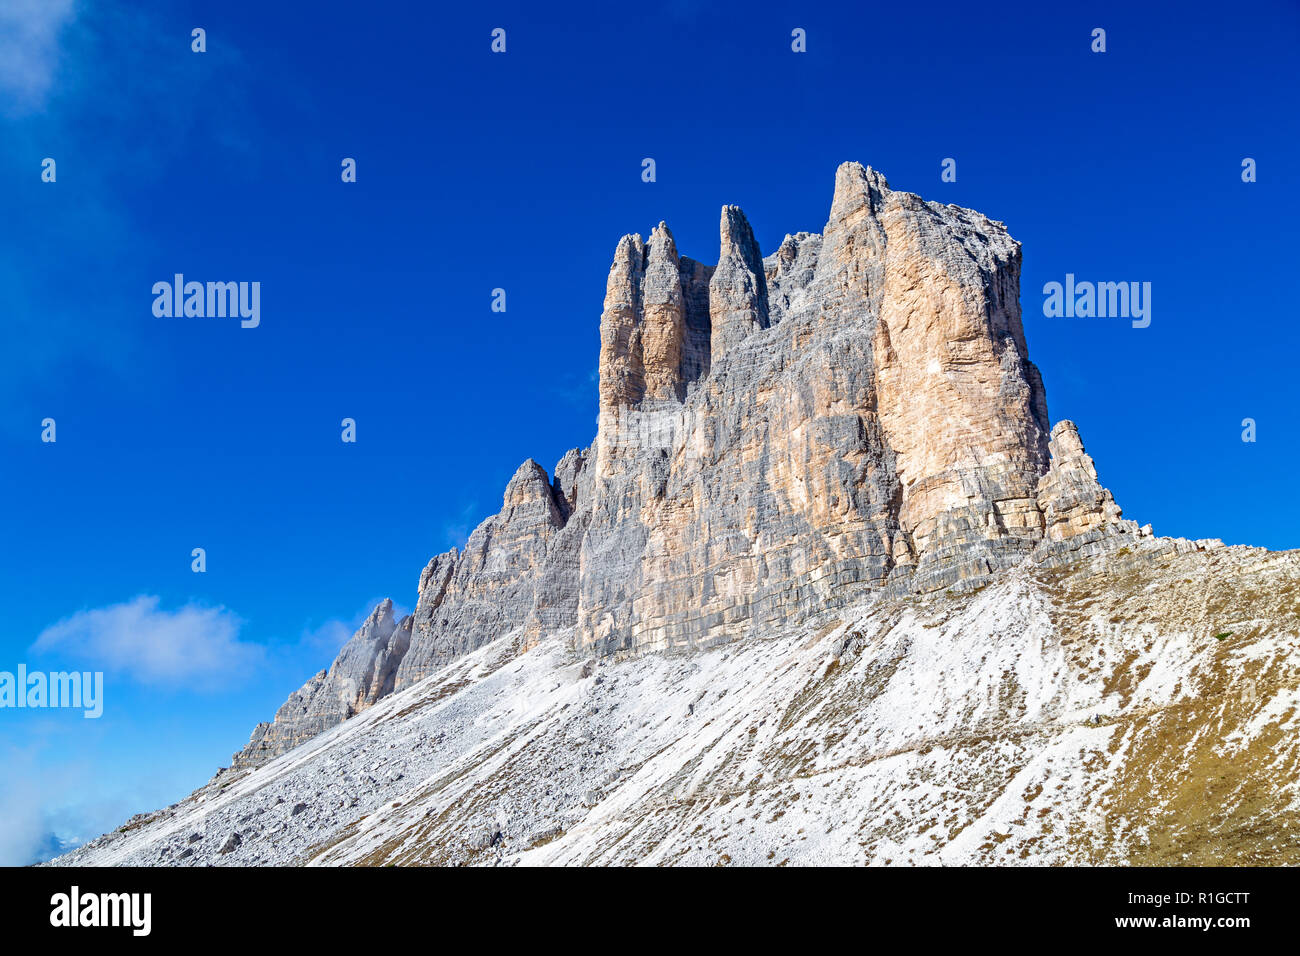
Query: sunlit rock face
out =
(869, 416)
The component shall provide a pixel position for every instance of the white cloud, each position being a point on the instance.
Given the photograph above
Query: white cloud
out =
(22, 819)
(29, 50)
(456, 533)
(193, 645)
(329, 638)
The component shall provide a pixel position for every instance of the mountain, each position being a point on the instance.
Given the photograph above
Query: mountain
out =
(825, 587)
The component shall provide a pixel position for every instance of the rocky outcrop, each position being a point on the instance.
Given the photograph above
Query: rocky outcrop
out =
(960, 402)
(555, 596)
(1070, 497)
(364, 671)
(663, 320)
(738, 289)
(518, 571)
(777, 437)
(621, 353)
(1081, 518)
(515, 570)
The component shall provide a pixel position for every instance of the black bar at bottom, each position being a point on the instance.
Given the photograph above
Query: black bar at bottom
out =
(336, 907)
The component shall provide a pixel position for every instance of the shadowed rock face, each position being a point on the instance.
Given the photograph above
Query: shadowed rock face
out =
(364, 671)
(856, 412)
(470, 598)
(518, 570)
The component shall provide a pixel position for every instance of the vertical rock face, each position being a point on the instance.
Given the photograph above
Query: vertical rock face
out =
(622, 372)
(555, 596)
(1078, 513)
(869, 417)
(655, 330)
(775, 437)
(738, 289)
(960, 404)
(664, 319)
(696, 357)
(1072, 500)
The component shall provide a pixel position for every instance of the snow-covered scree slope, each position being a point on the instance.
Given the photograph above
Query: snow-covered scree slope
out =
(1126, 710)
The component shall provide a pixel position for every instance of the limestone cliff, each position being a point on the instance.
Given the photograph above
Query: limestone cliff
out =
(869, 416)
(777, 437)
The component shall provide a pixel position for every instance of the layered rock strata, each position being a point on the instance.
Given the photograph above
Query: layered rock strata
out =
(869, 414)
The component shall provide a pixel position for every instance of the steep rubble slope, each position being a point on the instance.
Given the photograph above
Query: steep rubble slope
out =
(1137, 706)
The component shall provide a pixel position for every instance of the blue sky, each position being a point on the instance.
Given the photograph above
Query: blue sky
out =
(521, 171)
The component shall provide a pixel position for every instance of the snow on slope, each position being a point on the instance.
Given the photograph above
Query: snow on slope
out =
(1030, 722)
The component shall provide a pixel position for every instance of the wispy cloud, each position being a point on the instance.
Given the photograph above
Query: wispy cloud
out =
(112, 93)
(30, 53)
(23, 828)
(456, 532)
(193, 645)
(326, 639)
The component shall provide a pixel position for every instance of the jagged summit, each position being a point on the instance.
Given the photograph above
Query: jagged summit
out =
(854, 414)
(858, 189)
(738, 289)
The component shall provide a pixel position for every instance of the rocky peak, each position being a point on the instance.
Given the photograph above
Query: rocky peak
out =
(663, 319)
(380, 619)
(789, 272)
(622, 377)
(859, 190)
(564, 488)
(655, 329)
(1071, 499)
(738, 289)
(529, 485)
(364, 671)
